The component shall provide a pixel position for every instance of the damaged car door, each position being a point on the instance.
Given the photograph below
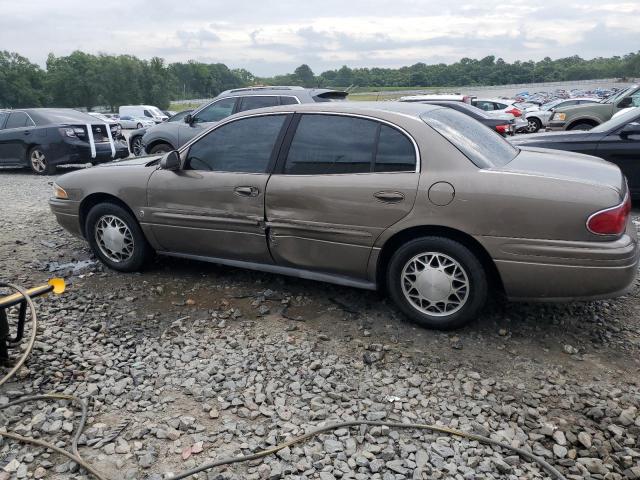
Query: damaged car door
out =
(214, 205)
(339, 183)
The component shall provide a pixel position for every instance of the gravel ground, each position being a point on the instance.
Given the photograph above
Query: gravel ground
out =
(188, 362)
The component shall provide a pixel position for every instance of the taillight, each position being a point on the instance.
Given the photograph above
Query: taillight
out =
(502, 128)
(612, 221)
(515, 112)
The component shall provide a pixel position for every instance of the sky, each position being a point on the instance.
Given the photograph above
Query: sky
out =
(274, 37)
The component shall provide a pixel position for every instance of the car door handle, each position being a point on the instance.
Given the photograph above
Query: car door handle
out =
(389, 197)
(247, 191)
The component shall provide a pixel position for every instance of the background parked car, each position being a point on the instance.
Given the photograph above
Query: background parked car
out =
(617, 141)
(43, 138)
(284, 189)
(539, 118)
(504, 124)
(585, 117)
(449, 97)
(498, 106)
(135, 137)
(105, 118)
(172, 135)
(143, 111)
(128, 121)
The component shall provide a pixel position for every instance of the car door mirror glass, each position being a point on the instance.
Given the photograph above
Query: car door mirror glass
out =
(188, 118)
(170, 161)
(625, 102)
(632, 128)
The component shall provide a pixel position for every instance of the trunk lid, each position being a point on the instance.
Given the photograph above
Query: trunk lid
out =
(569, 166)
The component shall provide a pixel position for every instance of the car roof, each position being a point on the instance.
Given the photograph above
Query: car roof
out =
(277, 90)
(411, 109)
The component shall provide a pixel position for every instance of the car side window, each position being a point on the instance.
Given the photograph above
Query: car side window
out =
(257, 101)
(3, 117)
(499, 106)
(18, 120)
(216, 111)
(331, 144)
(288, 101)
(395, 152)
(147, 113)
(486, 106)
(243, 146)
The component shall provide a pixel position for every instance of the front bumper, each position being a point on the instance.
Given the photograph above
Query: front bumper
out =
(67, 213)
(556, 125)
(552, 270)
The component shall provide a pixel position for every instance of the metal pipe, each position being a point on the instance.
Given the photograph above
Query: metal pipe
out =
(55, 285)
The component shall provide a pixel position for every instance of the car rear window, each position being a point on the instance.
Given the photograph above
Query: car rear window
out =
(484, 147)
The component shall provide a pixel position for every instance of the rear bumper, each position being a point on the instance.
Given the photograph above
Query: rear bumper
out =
(548, 270)
(67, 213)
(80, 152)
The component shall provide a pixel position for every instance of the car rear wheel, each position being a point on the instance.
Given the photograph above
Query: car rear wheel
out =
(116, 238)
(437, 282)
(582, 126)
(160, 148)
(39, 163)
(533, 125)
(136, 146)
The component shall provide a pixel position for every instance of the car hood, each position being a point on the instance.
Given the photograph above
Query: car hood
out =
(552, 137)
(147, 161)
(569, 166)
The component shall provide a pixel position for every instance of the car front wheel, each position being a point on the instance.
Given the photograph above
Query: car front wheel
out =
(39, 163)
(116, 238)
(533, 125)
(136, 146)
(437, 282)
(160, 148)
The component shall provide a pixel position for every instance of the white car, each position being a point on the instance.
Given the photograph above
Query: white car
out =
(143, 111)
(128, 121)
(539, 118)
(499, 106)
(449, 97)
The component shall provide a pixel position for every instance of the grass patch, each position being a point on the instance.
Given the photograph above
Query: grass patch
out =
(178, 107)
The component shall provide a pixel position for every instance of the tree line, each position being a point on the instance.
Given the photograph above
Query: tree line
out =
(85, 80)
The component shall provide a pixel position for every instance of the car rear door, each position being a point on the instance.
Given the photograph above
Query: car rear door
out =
(214, 205)
(341, 180)
(624, 152)
(15, 138)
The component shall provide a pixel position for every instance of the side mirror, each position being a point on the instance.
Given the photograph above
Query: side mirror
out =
(625, 102)
(188, 118)
(170, 161)
(632, 128)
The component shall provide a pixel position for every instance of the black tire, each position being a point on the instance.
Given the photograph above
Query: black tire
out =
(138, 126)
(136, 146)
(533, 125)
(160, 148)
(474, 295)
(140, 252)
(38, 162)
(582, 126)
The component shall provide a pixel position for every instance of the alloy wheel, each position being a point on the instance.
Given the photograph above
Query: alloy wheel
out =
(38, 161)
(435, 284)
(114, 238)
(532, 126)
(136, 146)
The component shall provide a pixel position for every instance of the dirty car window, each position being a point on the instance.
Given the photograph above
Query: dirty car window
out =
(483, 147)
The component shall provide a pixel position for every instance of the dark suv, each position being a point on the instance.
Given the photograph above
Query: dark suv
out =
(43, 138)
(172, 135)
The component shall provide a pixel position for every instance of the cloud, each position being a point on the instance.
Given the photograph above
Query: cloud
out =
(275, 37)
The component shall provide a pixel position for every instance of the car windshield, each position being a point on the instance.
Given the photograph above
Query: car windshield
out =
(157, 112)
(550, 105)
(618, 95)
(484, 147)
(618, 122)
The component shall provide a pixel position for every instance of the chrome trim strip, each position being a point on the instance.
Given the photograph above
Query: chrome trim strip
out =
(204, 218)
(278, 269)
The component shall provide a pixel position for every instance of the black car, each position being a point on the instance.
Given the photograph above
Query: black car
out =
(43, 138)
(135, 137)
(617, 141)
(504, 126)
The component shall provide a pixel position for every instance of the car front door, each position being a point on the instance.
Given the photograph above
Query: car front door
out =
(15, 138)
(340, 182)
(214, 205)
(203, 119)
(4, 151)
(624, 151)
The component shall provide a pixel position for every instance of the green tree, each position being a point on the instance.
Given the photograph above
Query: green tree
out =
(21, 82)
(305, 75)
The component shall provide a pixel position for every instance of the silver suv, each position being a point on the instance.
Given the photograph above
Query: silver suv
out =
(172, 135)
